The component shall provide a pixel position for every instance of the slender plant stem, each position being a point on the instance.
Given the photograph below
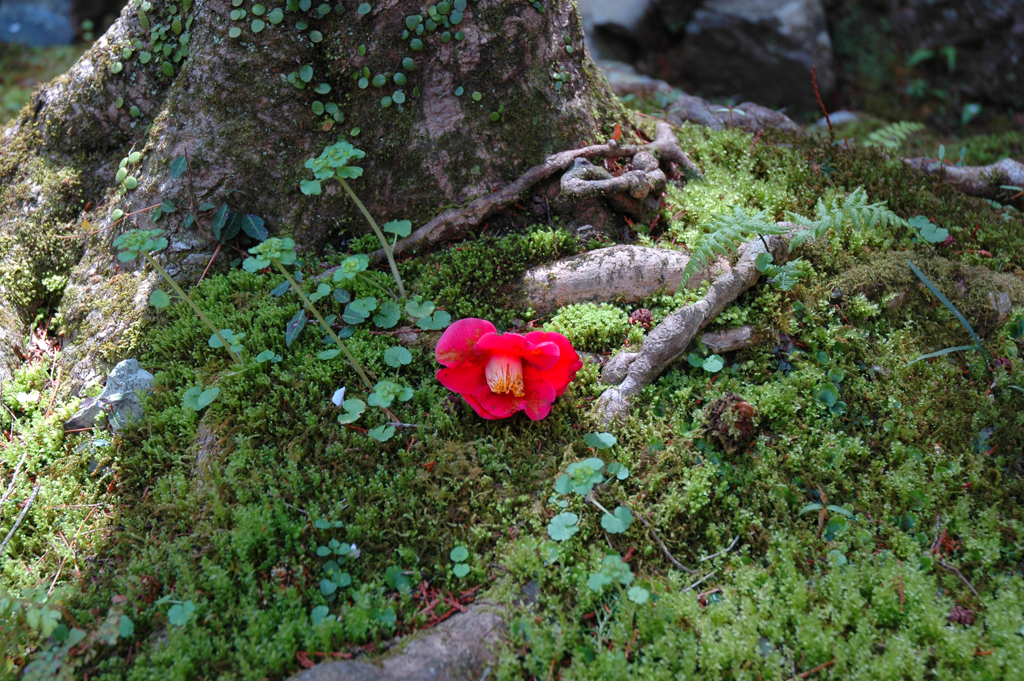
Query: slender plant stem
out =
(380, 235)
(327, 327)
(379, 287)
(195, 308)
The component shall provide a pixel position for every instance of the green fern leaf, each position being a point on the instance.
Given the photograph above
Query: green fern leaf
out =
(727, 233)
(836, 215)
(892, 136)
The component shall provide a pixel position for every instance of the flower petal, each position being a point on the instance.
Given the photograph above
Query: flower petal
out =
(465, 379)
(564, 370)
(542, 355)
(456, 343)
(508, 343)
(498, 406)
(539, 396)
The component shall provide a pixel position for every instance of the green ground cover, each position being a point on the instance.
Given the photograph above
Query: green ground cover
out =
(188, 545)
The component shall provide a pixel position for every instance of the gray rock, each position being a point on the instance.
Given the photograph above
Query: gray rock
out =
(625, 80)
(841, 117)
(119, 399)
(614, 29)
(36, 23)
(458, 649)
(758, 49)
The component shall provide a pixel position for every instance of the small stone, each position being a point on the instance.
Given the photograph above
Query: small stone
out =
(120, 398)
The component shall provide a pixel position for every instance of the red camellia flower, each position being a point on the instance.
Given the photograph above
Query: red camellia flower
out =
(502, 373)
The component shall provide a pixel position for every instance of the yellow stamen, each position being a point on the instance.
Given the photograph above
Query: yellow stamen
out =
(504, 375)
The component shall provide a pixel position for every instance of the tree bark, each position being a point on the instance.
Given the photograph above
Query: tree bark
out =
(229, 105)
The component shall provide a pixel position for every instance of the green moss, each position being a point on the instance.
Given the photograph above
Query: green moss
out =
(591, 327)
(481, 278)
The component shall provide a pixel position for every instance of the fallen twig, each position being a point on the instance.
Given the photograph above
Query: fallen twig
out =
(959, 574)
(664, 549)
(815, 670)
(21, 516)
(723, 551)
(14, 478)
(700, 581)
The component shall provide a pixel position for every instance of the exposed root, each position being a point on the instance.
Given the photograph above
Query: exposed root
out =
(625, 192)
(669, 340)
(983, 181)
(454, 223)
(624, 273)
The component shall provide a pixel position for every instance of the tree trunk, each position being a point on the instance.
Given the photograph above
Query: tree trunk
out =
(228, 104)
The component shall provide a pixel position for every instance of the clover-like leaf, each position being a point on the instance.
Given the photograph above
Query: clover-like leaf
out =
(328, 354)
(619, 522)
(268, 356)
(227, 334)
(353, 409)
(381, 433)
(459, 554)
(617, 469)
(713, 364)
(180, 613)
(599, 440)
(159, 299)
(460, 570)
(359, 310)
(563, 526)
(322, 291)
(598, 581)
(310, 187)
(320, 612)
(254, 265)
(583, 475)
(400, 228)
(419, 309)
(638, 594)
(388, 315)
(435, 322)
(395, 578)
(397, 356)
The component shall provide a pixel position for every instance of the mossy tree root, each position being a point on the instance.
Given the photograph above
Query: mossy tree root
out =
(452, 224)
(982, 181)
(624, 273)
(669, 340)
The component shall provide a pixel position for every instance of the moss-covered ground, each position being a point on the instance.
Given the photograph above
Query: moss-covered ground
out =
(873, 515)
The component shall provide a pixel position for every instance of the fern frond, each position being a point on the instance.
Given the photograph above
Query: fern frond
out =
(892, 136)
(726, 234)
(835, 215)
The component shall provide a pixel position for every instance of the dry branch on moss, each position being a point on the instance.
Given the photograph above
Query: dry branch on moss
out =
(453, 224)
(983, 181)
(669, 340)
